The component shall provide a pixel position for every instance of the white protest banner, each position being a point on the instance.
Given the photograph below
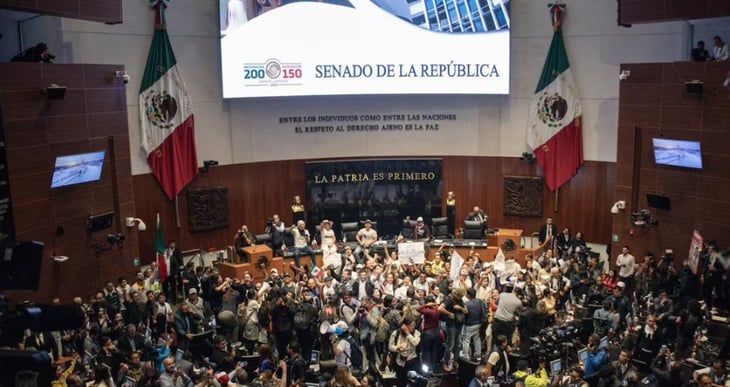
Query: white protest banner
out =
(411, 252)
(456, 262)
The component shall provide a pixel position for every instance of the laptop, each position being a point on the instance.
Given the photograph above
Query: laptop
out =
(604, 343)
(555, 367)
(582, 355)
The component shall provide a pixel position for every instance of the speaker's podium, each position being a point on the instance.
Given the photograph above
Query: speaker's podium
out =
(236, 269)
(503, 235)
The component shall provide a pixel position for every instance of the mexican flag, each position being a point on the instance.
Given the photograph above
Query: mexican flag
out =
(165, 114)
(160, 250)
(554, 132)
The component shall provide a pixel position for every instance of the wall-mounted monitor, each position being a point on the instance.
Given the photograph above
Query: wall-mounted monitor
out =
(677, 153)
(271, 48)
(660, 202)
(77, 169)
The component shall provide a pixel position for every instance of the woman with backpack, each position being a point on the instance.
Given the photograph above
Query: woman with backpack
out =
(249, 321)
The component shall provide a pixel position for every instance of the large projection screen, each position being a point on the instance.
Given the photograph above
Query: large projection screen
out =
(274, 48)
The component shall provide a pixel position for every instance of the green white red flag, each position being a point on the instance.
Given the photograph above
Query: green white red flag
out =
(166, 115)
(554, 132)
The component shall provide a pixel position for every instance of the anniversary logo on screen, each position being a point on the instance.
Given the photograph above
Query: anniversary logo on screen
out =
(337, 47)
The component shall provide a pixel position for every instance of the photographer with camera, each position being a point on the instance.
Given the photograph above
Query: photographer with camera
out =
(596, 359)
(666, 370)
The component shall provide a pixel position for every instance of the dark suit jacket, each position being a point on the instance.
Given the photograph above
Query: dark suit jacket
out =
(49, 344)
(475, 216)
(369, 288)
(544, 230)
(182, 328)
(125, 347)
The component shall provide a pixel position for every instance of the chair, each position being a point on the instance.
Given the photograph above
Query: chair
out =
(349, 232)
(261, 239)
(473, 229)
(440, 228)
(407, 229)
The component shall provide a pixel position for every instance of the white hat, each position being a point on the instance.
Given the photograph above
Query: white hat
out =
(300, 222)
(419, 219)
(621, 284)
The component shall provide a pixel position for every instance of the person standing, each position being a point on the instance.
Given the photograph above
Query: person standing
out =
(699, 54)
(547, 232)
(626, 264)
(174, 279)
(720, 52)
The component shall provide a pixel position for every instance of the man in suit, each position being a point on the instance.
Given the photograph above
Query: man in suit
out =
(186, 325)
(547, 232)
(42, 341)
(478, 215)
(174, 254)
(131, 342)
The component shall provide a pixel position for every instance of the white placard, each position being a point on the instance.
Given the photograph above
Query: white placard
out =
(499, 261)
(411, 252)
(456, 262)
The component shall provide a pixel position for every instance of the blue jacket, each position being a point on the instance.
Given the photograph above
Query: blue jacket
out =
(594, 362)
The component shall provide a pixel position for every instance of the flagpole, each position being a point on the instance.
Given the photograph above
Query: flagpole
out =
(177, 211)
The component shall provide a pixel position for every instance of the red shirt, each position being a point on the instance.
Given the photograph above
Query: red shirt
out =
(430, 315)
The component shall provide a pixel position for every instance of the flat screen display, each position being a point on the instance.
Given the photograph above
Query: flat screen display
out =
(273, 48)
(77, 169)
(677, 153)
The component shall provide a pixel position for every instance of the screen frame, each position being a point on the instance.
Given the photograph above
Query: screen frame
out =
(664, 164)
(103, 153)
(283, 97)
(555, 366)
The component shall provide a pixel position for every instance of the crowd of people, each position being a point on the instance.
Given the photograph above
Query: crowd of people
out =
(367, 316)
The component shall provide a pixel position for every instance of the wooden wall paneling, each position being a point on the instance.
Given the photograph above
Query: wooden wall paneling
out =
(20, 133)
(258, 190)
(40, 130)
(648, 11)
(68, 128)
(696, 195)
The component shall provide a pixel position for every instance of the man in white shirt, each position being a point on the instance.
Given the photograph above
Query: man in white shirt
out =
(365, 239)
(720, 52)
(626, 264)
(402, 292)
(301, 242)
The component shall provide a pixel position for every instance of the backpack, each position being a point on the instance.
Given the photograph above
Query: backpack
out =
(355, 353)
(304, 316)
(382, 331)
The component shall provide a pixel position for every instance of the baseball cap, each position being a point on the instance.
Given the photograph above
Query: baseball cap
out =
(367, 221)
(193, 291)
(274, 271)
(300, 222)
(419, 219)
(621, 285)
